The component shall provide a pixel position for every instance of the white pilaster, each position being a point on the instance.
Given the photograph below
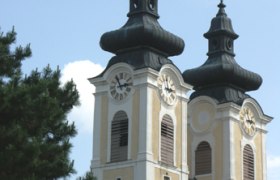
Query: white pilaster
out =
(264, 156)
(228, 148)
(96, 132)
(142, 124)
(184, 141)
(149, 124)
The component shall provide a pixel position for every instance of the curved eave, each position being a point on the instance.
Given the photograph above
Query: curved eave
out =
(219, 32)
(142, 31)
(217, 74)
(142, 58)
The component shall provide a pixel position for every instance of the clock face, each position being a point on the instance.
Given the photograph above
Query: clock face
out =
(121, 85)
(248, 122)
(167, 89)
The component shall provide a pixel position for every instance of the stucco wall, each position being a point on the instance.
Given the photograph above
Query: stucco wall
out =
(135, 125)
(126, 174)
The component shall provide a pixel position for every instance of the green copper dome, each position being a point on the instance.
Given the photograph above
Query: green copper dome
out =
(220, 77)
(142, 30)
(142, 42)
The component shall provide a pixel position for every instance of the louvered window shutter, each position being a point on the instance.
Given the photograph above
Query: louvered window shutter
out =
(119, 137)
(167, 140)
(248, 163)
(203, 159)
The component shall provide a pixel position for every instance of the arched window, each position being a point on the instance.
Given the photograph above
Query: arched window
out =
(167, 140)
(248, 163)
(119, 137)
(203, 159)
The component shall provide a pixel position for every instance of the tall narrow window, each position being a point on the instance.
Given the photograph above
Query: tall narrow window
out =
(248, 163)
(119, 137)
(203, 160)
(167, 140)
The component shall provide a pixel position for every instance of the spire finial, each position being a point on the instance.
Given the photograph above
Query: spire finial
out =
(221, 10)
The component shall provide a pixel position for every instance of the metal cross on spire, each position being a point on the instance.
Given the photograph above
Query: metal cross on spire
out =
(222, 6)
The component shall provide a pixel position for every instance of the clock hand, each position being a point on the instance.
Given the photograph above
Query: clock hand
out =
(125, 85)
(168, 90)
(166, 85)
(118, 80)
(249, 121)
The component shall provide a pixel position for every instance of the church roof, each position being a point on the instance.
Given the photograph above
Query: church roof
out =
(221, 77)
(142, 42)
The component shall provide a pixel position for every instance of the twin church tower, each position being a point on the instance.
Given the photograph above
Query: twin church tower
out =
(145, 125)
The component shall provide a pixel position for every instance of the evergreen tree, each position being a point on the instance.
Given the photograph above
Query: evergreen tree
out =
(34, 131)
(87, 176)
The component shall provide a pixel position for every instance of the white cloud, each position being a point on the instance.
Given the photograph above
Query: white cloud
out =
(273, 167)
(80, 71)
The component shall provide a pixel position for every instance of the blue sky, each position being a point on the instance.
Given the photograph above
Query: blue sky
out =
(67, 32)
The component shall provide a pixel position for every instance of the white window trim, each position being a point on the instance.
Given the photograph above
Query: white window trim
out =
(110, 120)
(197, 140)
(163, 176)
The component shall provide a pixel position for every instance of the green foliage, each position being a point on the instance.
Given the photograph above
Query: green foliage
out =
(34, 131)
(88, 176)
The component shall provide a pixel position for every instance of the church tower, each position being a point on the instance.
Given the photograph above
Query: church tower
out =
(140, 116)
(226, 127)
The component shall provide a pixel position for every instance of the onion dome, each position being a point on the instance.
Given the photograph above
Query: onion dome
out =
(142, 42)
(220, 77)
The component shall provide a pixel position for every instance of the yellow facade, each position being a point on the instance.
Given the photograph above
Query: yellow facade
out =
(104, 126)
(135, 126)
(178, 143)
(156, 135)
(259, 156)
(224, 142)
(218, 151)
(160, 173)
(123, 169)
(156, 125)
(238, 150)
(217, 124)
(126, 174)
